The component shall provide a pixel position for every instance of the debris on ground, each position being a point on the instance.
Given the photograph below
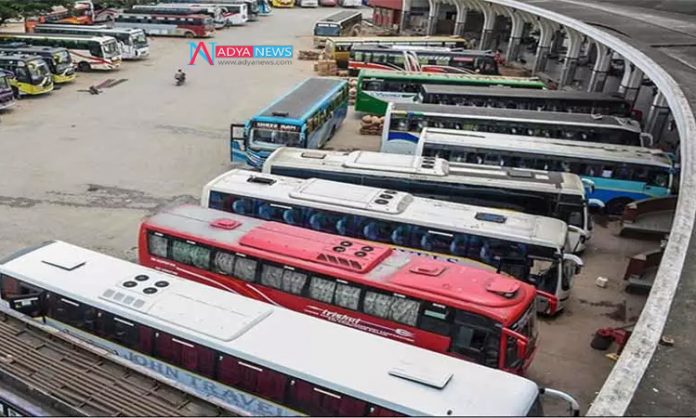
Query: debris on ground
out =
(371, 125)
(326, 67)
(309, 55)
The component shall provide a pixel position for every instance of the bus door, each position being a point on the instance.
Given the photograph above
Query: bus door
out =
(238, 136)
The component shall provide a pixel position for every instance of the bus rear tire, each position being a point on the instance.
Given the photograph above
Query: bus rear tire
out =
(189, 35)
(84, 66)
(616, 206)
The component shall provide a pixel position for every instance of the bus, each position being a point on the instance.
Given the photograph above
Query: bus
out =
(255, 358)
(306, 117)
(133, 42)
(214, 13)
(7, 95)
(375, 88)
(620, 174)
(404, 122)
(29, 74)
(189, 26)
(543, 193)
(344, 281)
(283, 3)
(338, 48)
(530, 248)
(429, 60)
(350, 3)
(87, 52)
(343, 23)
(526, 99)
(253, 8)
(58, 59)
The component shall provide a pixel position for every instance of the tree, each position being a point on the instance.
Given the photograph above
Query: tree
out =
(13, 9)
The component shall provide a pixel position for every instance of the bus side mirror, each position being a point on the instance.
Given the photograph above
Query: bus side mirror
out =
(575, 259)
(237, 131)
(521, 347)
(589, 185)
(595, 205)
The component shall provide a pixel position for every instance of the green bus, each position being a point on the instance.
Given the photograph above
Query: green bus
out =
(376, 88)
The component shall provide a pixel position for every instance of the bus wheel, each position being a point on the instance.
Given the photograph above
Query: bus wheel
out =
(15, 92)
(333, 131)
(616, 206)
(84, 66)
(189, 35)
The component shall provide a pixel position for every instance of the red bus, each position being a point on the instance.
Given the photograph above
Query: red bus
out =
(189, 26)
(458, 310)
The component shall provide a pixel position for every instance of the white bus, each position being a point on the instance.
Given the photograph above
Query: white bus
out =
(230, 14)
(256, 358)
(350, 3)
(132, 41)
(619, 174)
(87, 52)
(343, 23)
(252, 9)
(404, 122)
(530, 248)
(214, 12)
(543, 193)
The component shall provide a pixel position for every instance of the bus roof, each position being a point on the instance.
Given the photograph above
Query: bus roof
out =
(402, 207)
(540, 145)
(301, 101)
(350, 361)
(19, 57)
(88, 28)
(10, 35)
(393, 39)
(488, 113)
(21, 46)
(402, 49)
(409, 168)
(339, 17)
(457, 286)
(425, 77)
(493, 91)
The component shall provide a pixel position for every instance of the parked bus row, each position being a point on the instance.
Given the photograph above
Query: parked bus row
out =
(234, 349)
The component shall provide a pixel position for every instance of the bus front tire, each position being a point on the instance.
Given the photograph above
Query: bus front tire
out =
(84, 66)
(616, 206)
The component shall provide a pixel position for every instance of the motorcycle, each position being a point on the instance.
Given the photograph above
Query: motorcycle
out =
(180, 78)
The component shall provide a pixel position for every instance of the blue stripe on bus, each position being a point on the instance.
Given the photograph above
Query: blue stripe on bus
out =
(403, 136)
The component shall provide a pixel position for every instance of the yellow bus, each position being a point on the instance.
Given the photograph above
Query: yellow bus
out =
(338, 48)
(283, 3)
(31, 74)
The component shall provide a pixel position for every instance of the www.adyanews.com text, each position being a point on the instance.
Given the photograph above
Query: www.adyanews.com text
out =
(254, 62)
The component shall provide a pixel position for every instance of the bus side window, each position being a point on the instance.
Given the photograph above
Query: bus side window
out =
(322, 289)
(191, 254)
(245, 268)
(72, 313)
(436, 318)
(157, 245)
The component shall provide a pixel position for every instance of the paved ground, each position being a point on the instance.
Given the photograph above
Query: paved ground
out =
(86, 169)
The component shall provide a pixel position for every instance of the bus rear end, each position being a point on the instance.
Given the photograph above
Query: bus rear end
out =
(7, 98)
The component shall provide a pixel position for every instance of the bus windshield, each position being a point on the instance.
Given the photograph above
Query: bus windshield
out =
(270, 137)
(38, 70)
(62, 57)
(139, 39)
(324, 29)
(110, 49)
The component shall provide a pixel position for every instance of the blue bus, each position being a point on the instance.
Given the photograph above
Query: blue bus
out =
(306, 117)
(618, 174)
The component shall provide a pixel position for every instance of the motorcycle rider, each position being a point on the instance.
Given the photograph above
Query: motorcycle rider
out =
(180, 76)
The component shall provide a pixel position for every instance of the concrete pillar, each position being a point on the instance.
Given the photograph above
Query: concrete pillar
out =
(433, 14)
(542, 54)
(600, 69)
(405, 15)
(515, 41)
(657, 117)
(489, 17)
(460, 20)
(571, 60)
(631, 82)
